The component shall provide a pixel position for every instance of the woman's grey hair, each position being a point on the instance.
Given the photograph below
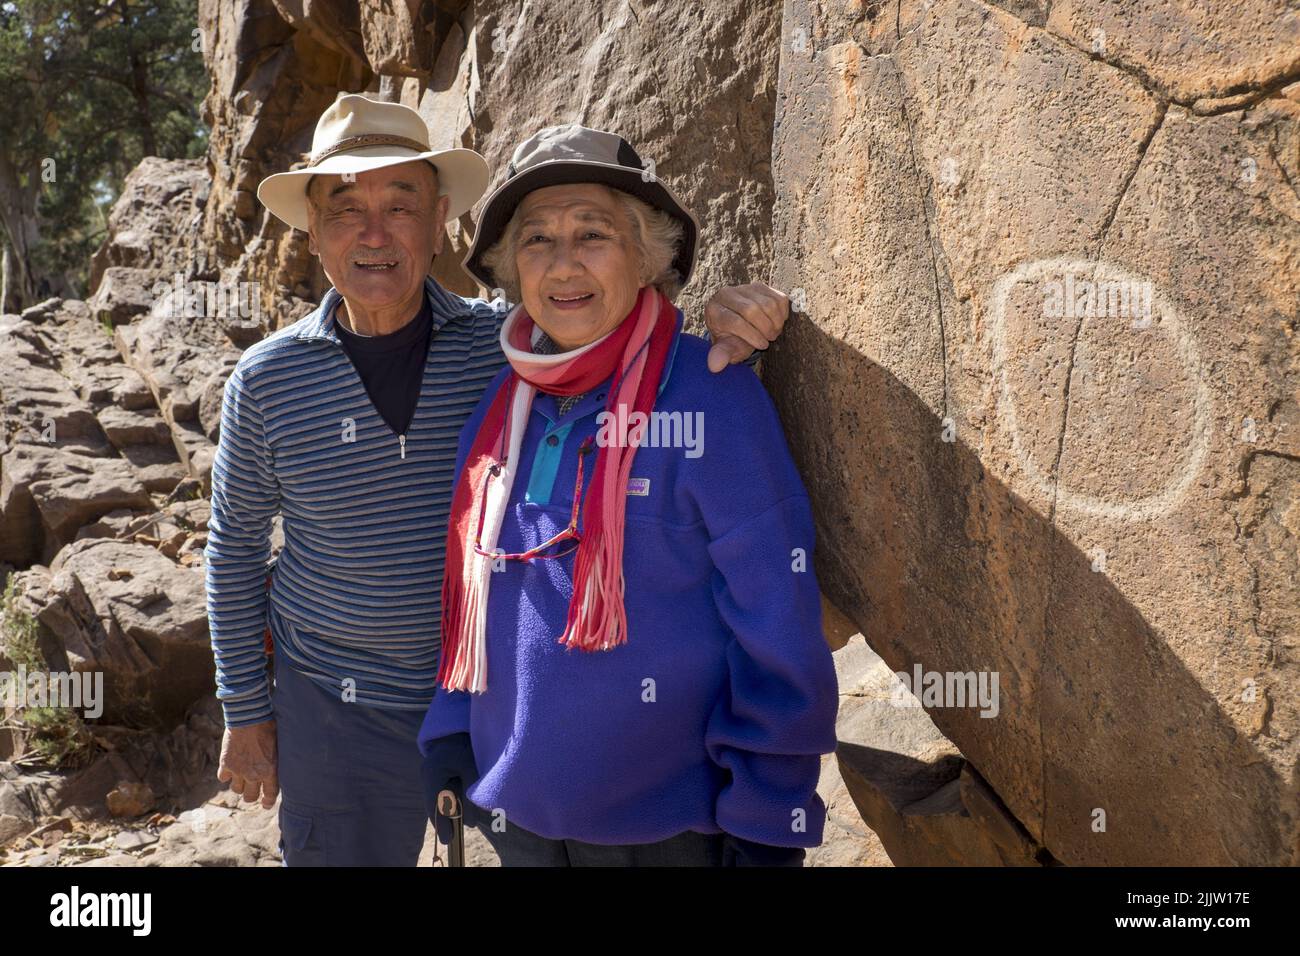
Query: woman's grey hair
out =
(655, 234)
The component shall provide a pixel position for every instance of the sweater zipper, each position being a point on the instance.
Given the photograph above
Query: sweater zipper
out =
(401, 439)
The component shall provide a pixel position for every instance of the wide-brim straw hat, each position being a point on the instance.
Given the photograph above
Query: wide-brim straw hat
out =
(563, 155)
(357, 134)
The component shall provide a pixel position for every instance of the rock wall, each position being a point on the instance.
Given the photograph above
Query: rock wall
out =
(1049, 268)
(693, 88)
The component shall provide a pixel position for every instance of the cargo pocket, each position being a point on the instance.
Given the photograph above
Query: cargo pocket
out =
(302, 839)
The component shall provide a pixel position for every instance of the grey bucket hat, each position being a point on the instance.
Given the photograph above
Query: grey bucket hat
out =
(561, 155)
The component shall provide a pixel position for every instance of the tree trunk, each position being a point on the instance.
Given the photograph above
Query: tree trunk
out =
(4, 277)
(19, 230)
(140, 90)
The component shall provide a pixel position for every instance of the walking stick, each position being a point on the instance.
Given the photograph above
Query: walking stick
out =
(449, 807)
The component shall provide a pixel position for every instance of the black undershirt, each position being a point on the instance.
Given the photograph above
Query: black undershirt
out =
(391, 366)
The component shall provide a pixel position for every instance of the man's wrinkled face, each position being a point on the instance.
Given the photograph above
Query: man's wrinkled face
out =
(377, 234)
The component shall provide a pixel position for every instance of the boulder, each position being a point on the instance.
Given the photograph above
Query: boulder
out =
(42, 311)
(125, 609)
(112, 525)
(185, 361)
(215, 835)
(156, 466)
(36, 402)
(80, 489)
(122, 294)
(17, 814)
(112, 384)
(125, 427)
(48, 491)
(925, 805)
(56, 468)
(151, 220)
(130, 798)
(935, 814)
(214, 391)
(156, 349)
(195, 451)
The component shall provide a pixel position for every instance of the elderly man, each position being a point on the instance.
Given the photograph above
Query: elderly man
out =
(346, 424)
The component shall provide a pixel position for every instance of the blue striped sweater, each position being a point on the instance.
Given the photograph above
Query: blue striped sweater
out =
(355, 598)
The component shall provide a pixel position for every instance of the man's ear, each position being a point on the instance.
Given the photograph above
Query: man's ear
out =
(311, 230)
(440, 207)
(311, 218)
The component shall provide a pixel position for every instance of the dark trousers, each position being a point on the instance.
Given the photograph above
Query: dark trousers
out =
(350, 789)
(519, 847)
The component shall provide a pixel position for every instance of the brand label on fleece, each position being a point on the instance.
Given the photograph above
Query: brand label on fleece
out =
(638, 486)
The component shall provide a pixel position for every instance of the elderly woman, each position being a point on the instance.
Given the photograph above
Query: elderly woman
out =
(633, 669)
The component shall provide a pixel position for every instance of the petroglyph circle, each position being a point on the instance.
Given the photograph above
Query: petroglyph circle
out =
(1076, 294)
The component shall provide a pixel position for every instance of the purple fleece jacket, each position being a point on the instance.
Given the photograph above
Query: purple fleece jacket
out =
(713, 715)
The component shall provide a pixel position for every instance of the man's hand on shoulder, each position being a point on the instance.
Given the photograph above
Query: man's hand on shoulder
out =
(248, 762)
(741, 319)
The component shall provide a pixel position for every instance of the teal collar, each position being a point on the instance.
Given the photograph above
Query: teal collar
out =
(672, 353)
(546, 457)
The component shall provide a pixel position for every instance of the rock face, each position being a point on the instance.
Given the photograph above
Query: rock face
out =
(127, 610)
(924, 803)
(151, 229)
(274, 68)
(1048, 271)
(79, 432)
(700, 106)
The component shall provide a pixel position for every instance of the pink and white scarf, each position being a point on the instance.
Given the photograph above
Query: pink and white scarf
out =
(637, 350)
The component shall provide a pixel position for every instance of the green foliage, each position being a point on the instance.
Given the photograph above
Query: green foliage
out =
(55, 735)
(18, 632)
(91, 87)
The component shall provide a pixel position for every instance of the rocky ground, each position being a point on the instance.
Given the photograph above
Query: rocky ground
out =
(223, 831)
(153, 800)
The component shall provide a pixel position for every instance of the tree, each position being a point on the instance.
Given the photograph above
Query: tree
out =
(90, 87)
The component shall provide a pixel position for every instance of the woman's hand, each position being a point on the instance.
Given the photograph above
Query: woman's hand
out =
(449, 765)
